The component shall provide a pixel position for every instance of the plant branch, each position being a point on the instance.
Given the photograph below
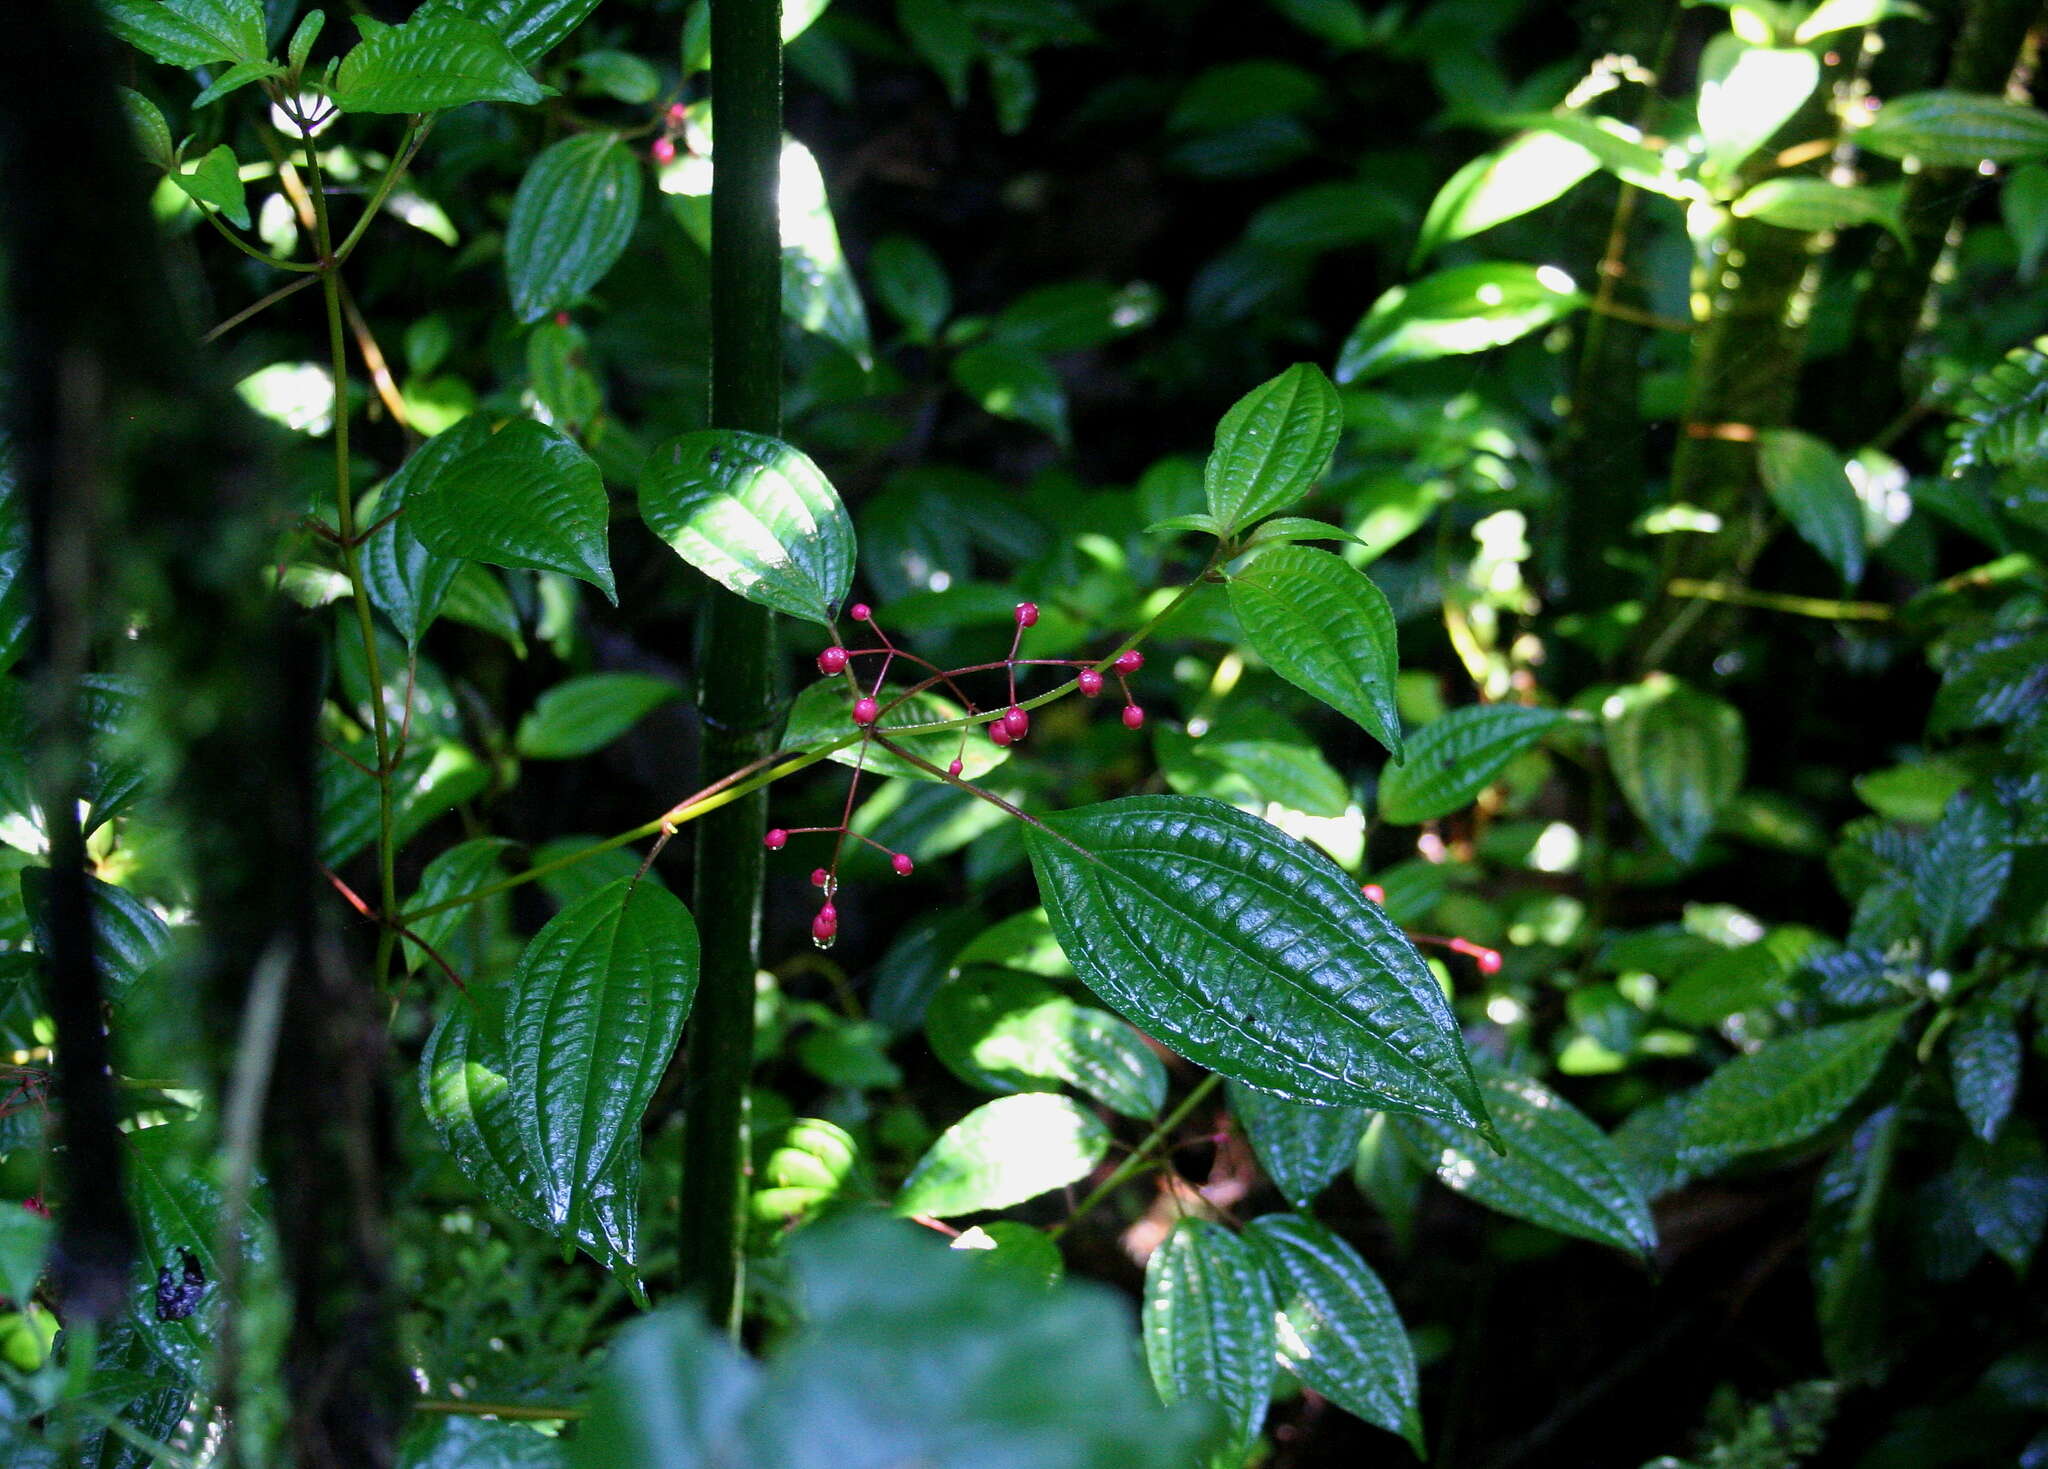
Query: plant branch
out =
(1140, 1155)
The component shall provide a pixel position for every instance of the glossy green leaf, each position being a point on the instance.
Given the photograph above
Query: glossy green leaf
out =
(822, 713)
(1326, 629)
(1807, 481)
(1002, 1153)
(466, 1092)
(1015, 1249)
(1250, 953)
(1452, 759)
(1528, 173)
(1961, 870)
(460, 1441)
(2003, 1189)
(1073, 316)
(407, 582)
(1208, 1326)
(911, 282)
(1957, 129)
(431, 778)
(437, 59)
(583, 714)
(1992, 679)
(1225, 762)
(1678, 755)
(1831, 16)
(528, 496)
(754, 515)
(240, 75)
(1272, 447)
(127, 937)
(1621, 149)
(1284, 528)
(597, 1005)
(1746, 94)
(1007, 1031)
(532, 28)
(1014, 383)
(189, 33)
(943, 35)
(24, 1246)
(818, 290)
(115, 774)
(801, 1168)
(1301, 1148)
(1786, 1092)
(571, 220)
(177, 1210)
(1339, 1331)
(1984, 1061)
(1560, 1171)
(1468, 308)
(1810, 205)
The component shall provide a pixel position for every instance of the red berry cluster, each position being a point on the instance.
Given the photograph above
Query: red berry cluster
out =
(1010, 725)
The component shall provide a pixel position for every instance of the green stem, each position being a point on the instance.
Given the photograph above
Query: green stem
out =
(737, 691)
(1141, 1155)
(351, 565)
(262, 256)
(528, 1412)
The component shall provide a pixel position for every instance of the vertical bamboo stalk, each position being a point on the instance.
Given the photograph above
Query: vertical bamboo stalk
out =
(735, 683)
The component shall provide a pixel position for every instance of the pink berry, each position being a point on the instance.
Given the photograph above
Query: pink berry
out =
(999, 732)
(678, 114)
(1129, 662)
(953, 768)
(859, 612)
(826, 925)
(1027, 614)
(664, 150)
(1090, 681)
(819, 877)
(832, 660)
(776, 839)
(1134, 717)
(866, 711)
(561, 318)
(902, 863)
(1375, 893)
(1017, 722)
(1488, 961)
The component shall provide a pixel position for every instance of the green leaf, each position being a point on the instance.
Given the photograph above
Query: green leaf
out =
(1840, 15)
(24, 1243)
(532, 28)
(943, 35)
(1957, 130)
(801, 1168)
(1452, 759)
(1960, 872)
(216, 181)
(571, 220)
(456, 934)
(432, 778)
(1808, 482)
(466, 1091)
(1811, 205)
(304, 34)
(437, 59)
(1272, 446)
(1250, 953)
(1528, 173)
(1984, 1061)
(818, 291)
(911, 282)
(1002, 1153)
(756, 516)
(822, 714)
(597, 1006)
(240, 75)
(127, 937)
(1017, 1250)
(1746, 94)
(1072, 316)
(1014, 383)
(580, 715)
(1619, 147)
(1991, 680)
(1559, 1171)
(1284, 528)
(1786, 1092)
(525, 497)
(1918, 791)
(1287, 769)
(1301, 1148)
(1326, 629)
(1339, 1331)
(2003, 1188)
(177, 1211)
(1468, 308)
(458, 1441)
(407, 582)
(1208, 1327)
(1678, 755)
(1006, 1031)
(189, 33)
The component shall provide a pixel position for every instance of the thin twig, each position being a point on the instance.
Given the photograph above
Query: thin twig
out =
(289, 288)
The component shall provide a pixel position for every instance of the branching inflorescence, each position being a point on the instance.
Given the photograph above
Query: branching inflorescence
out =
(1007, 725)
